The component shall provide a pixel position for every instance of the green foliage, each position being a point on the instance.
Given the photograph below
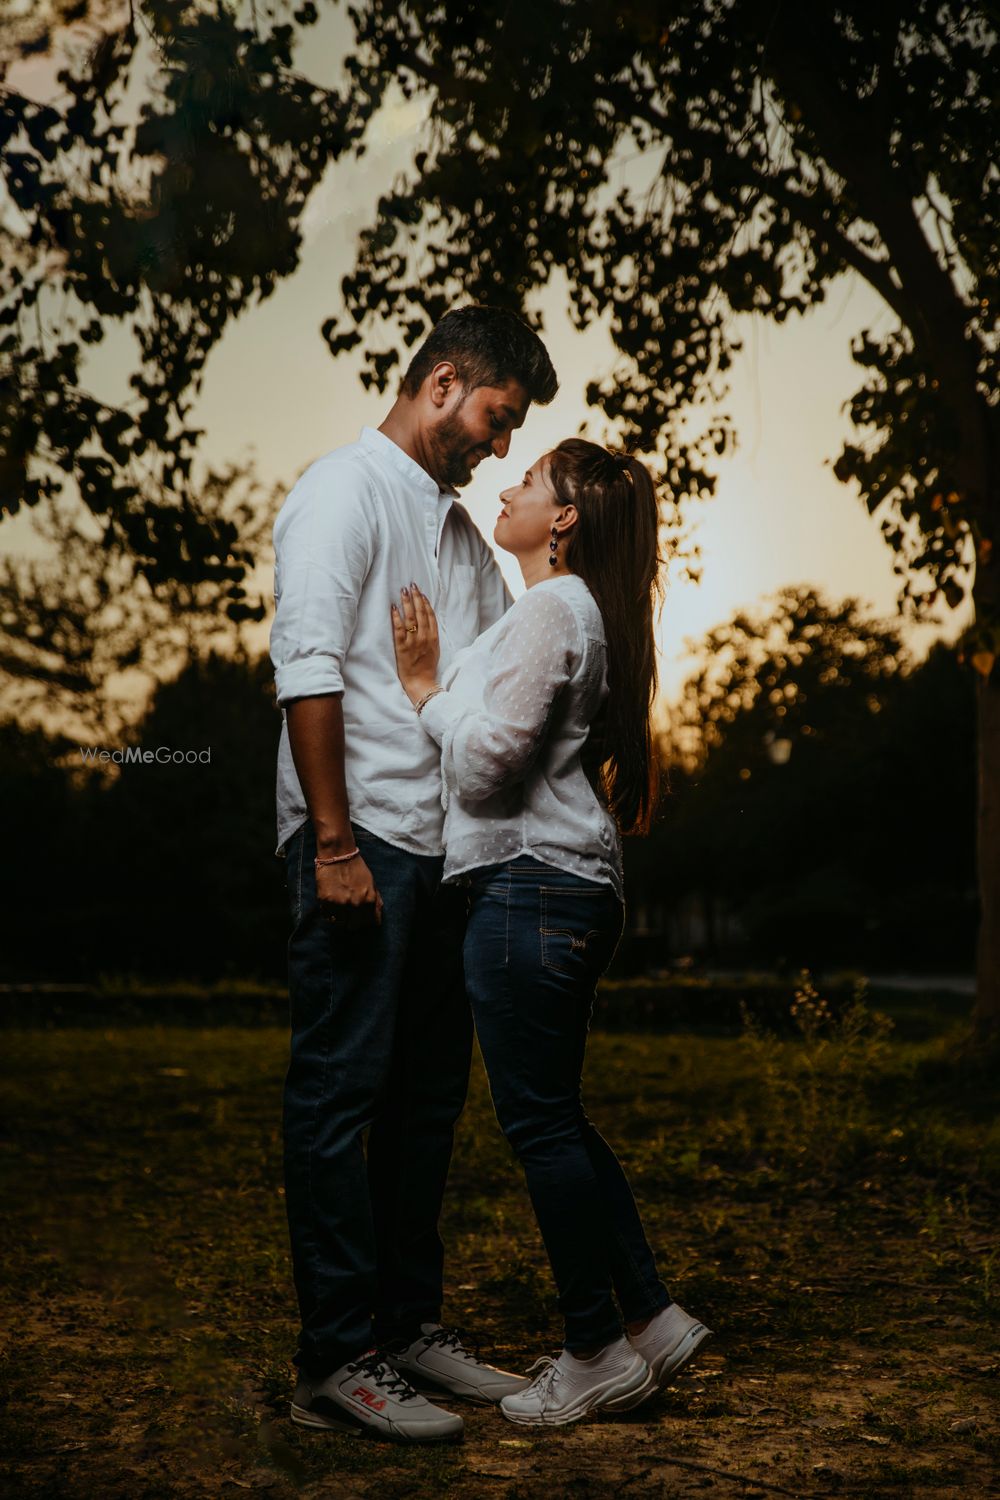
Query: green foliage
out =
(823, 790)
(84, 633)
(821, 1116)
(798, 668)
(170, 223)
(679, 164)
(687, 162)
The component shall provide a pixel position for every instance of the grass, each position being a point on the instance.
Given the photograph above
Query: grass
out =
(825, 1199)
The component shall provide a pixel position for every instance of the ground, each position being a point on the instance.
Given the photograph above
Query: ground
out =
(827, 1203)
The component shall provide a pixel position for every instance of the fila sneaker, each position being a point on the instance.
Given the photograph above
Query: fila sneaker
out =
(668, 1342)
(439, 1358)
(366, 1396)
(568, 1388)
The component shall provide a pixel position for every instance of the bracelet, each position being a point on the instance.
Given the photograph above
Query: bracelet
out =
(427, 697)
(336, 859)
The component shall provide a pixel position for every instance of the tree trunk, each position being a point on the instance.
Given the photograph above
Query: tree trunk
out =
(986, 1015)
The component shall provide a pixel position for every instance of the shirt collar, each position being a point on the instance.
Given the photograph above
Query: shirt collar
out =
(404, 465)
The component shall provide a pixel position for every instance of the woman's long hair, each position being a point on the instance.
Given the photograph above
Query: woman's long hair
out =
(613, 547)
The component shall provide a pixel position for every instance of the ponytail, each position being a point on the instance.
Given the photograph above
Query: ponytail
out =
(613, 548)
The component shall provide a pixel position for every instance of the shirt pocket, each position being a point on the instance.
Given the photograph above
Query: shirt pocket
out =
(458, 614)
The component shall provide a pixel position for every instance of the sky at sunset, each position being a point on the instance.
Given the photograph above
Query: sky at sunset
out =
(779, 516)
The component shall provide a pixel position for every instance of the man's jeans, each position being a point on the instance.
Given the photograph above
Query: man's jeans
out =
(537, 942)
(381, 1042)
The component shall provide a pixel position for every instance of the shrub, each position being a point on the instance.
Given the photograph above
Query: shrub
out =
(818, 1113)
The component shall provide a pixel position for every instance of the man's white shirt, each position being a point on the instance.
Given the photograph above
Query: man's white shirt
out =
(358, 525)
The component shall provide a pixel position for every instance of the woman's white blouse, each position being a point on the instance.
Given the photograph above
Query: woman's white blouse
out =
(514, 718)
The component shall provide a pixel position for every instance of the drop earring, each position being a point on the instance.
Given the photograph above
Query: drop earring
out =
(553, 548)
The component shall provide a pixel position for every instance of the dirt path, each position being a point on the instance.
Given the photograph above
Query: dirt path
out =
(148, 1319)
(918, 1420)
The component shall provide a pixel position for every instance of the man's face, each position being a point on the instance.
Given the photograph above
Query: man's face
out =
(475, 424)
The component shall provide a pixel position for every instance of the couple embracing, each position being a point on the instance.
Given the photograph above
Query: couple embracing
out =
(454, 774)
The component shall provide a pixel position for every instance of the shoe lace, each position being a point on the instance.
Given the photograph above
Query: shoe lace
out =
(542, 1384)
(453, 1340)
(384, 1376)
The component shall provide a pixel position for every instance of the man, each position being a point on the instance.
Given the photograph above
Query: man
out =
(381, 1031)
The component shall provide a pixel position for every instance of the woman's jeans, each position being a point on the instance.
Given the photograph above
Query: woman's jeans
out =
(537, 942)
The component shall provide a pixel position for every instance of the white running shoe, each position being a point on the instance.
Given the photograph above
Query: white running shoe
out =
(439, 1357)
(366, 1396)
(567, 1388)
(668, 1342)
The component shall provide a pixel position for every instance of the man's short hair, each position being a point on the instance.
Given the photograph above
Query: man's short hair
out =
(487, 346)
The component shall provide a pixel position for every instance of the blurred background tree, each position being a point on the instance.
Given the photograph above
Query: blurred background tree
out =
(154, 198)
(158, 870)
(85, 637)
(822, 796)
(164, 217)
(850, 841)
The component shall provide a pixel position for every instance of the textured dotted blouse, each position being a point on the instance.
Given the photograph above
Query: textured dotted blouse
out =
(517, 709)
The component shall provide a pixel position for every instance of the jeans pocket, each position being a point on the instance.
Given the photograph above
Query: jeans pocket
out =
(579, 930)
(295, 856)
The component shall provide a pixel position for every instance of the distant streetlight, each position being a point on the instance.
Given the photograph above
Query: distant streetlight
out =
(778, 748)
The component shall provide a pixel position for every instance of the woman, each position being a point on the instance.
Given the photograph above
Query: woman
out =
(532, 821)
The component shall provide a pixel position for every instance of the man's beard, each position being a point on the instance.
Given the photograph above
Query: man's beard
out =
(450, 444)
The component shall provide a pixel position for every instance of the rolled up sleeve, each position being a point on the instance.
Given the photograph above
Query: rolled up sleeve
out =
(324, 545)
(484, 750)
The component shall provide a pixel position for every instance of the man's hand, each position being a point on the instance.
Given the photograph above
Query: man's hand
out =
(347, 896)
(415, 637)
(345, 891)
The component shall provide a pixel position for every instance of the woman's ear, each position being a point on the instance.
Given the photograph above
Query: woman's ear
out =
(565, 519)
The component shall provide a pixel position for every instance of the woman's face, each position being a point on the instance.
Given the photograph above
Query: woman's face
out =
(528, 512)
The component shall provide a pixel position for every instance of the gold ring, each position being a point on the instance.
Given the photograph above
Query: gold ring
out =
(411, 630)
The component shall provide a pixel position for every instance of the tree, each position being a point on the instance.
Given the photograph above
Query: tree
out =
(41, 815)
(797, 669)
(774, 753)
(83, 632)
(779, 147)
(680, 161)
(209, 902)
(162, 868)
(169, 225)
(823, 789)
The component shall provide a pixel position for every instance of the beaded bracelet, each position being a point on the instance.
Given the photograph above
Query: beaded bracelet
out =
(336, 859)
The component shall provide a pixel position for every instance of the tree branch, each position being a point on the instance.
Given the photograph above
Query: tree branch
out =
(802, 208)
(936, 317)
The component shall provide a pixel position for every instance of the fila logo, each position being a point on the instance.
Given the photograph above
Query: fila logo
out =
(368, 1397)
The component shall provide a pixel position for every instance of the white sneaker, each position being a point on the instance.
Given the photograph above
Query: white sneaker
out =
(668, 1342)
(366, 1396)
(439, 1357)
(567, 1388)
